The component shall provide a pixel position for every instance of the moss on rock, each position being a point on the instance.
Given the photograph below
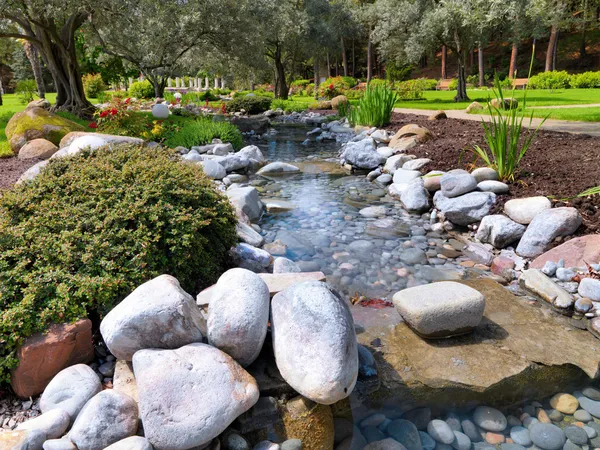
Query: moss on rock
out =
(37, 123)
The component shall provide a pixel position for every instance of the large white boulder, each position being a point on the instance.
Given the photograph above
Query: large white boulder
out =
(442, 309)
(499, 230)
(157, 314)
(107, 418)
(160, 111)
(239, 314)
(213, 169)
(190, 395)
(32, 172)
(523, 210)
(415, 197)
(53, 423)
(70, 389)
(314, 341)
(278, 168)
(253, 153)
(247, 200)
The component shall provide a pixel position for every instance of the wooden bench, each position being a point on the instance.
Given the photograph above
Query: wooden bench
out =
(520, 83)
(443, 85)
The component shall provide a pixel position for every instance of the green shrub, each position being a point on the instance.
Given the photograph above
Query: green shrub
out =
(289, 105)
(375, 107)
(25, 90)
(550, 80)
(93, 85)
(300, 83)
(411, 89)
(453, 86)
(310, 89)
(203, 131)
(334, 86)
(353, 94)
(429, 84)
(81, 236)
(141, 89)
(251, 104)
(585, 80)
(395, 72)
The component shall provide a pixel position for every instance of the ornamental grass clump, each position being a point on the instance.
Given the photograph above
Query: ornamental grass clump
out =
(375, 107)
(506, 139)
(78, 238)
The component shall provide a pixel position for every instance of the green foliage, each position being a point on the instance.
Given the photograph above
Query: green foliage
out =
(26, 89)
(93, 85)
(141, 89)
(300, 83)
(429, 84)
(203, 131)
(550, 80)
(81, 236)
(589, 192)
(395, 72)
(289, 106)
(585, 80)
(453, 86)
(251, 104)
(332, 87)
(411, 89)
(375, 107)
(504, 137)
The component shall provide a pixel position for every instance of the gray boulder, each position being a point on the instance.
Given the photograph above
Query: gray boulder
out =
(440, 310)
(248, 235)
(53, 423)
(466, 209)
(213, 169)
(415, 197)
(490, 419)
(499, 230)
(107, 418)
(253, 153)
(432, 180)
(32, 172)
(238, 315)
(395, 162)
(402, 176)
(70, 389)
(249, 257)
(547, 226)
(497, 187)
(284, 265)
(221, 149)
(455, 184)
(59, 444)
(131, 443)
(318, 358)
(157, 314)
(278, 168)
(195, 384)
(362, 154)
(590, 288)
(416, 164)
(233, 162)
(247, 200)
(484, 174)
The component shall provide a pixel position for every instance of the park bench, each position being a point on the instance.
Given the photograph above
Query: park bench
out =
(443, 85)
(520, 83)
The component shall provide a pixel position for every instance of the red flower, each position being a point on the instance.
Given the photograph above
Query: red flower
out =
(331, 87)
(104, 113)
(114, 111)
(127, 101)
(93, 125)
(223, 108)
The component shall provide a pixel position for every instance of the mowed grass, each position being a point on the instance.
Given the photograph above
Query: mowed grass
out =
(589, 114)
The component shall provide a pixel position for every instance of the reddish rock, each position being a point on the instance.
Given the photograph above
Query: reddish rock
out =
(501, 263)
(43, 355)
(494, 438)
(574, 252)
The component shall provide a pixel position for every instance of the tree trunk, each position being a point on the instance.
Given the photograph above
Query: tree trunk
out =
(369, 59)
(282, 89)
(461, 92)
(550, 50)
(328, 66)
(444, 54)
(582, 43)
(344, 57)
(34, 59)
(353, 60)
(555, 52)
(471, 59)
(337, 66)
(513, 61)
(316, 89)
(1, 92)
(481, 70)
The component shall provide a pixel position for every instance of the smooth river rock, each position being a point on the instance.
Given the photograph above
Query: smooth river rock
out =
(456, 184)
(440, 310)
(180, 389)
(107, 418)
(524, 210)
(157, 314)
(499, 230)
(278, 168)
(440, 431)
(415, 197)
(466, 209)
(238, 315)
(490, 419)
(131, 443)
(53, 423)
(247, 200)
(547, 226)
(70, 390)
(314, 341)
(547, 436)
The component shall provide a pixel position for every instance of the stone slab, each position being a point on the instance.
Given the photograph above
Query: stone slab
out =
(276, 282)
(518, 352)
(576, 252)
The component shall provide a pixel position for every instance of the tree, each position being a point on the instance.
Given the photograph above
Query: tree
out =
(50, 25)
(34, 59)
(154, 36)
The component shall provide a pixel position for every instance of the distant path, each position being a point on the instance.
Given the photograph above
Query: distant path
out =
(564, 126)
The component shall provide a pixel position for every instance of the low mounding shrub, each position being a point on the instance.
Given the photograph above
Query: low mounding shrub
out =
(550, 80)
(374, 108)
(332, 87)
(93, 85)
(251, 104)
(203, 131)
(81, 236)
(289, 105)
(585, 80)
(453, 86)
(411, 89)
(141, 89)
(298, 86)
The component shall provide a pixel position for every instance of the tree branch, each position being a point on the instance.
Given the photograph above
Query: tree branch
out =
(20, 36)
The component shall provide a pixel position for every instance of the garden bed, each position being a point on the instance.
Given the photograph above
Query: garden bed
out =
(558, 165)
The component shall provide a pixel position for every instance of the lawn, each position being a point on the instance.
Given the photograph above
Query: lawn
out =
(591, 114)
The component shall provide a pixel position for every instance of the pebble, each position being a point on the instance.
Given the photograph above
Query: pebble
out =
(576, 435)
(266, 445)
(292, 444)
(571, 446)
(582, 415)
(406, 433)
(471, 430)
(494, 438)
(513, 421)
(591, 393)
(556, 416)
(490, 419)
(453, 422)
(373, 420)
(511, 446)
(520, 435)
(542, 416)
(461, 441)
(591, 433)
(529, 421)
(372, 434)
(419, 416)
(440, 431)
(547, 436)
(427, 442)
(549, 268)
(565, 403)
